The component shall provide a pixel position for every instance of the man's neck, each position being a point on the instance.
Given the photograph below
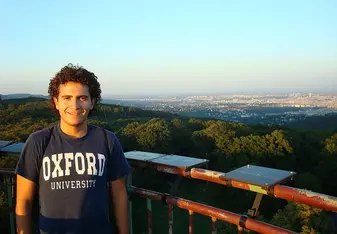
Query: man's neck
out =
(74, 131)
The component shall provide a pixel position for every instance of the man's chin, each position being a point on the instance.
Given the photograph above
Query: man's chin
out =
(76, 123)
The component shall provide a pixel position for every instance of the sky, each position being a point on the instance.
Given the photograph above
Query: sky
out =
(171, 47)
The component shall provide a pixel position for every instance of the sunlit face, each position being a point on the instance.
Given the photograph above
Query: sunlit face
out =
(73, 103)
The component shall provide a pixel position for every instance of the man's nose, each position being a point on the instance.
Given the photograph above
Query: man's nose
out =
(75, 103)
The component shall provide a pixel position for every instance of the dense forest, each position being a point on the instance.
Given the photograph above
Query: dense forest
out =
(310, 152)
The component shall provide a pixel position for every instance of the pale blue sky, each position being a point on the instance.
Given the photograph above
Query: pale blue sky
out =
(163, 47)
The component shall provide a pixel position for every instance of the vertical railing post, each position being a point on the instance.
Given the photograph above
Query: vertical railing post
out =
(10, 203)
(214, 230)
(129, 184)
(149, 215)
(190, 223)
(170, 217)
(240, 230)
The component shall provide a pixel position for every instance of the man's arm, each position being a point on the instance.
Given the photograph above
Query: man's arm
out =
(120, 205)
(25, 190)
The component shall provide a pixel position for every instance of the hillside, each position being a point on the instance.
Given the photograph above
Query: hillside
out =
(21, 116)
(21, 101)
(21, 96)
(326, 122)
(312, 154)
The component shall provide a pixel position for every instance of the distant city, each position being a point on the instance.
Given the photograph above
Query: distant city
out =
(267, 109)
(255, 108)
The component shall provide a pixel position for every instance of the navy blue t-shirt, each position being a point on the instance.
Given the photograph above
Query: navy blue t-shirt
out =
(72, 174)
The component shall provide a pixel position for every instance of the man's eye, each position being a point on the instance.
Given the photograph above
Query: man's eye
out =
(83, 98)
(66, 98)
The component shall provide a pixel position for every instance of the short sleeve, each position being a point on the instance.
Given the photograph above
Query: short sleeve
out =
(28, 165)
(118, 165)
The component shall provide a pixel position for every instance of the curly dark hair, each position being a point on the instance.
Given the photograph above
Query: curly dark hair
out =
(75, 73)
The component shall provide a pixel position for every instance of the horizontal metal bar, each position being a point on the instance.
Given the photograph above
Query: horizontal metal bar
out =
(318, 200)
(303, 196)
(280, 191)
(307, 197)
(210, 211)
(7, 171)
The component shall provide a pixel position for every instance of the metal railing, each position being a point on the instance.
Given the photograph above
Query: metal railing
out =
(215, 214)
(241, 221)
(192, 207)
(8, 185)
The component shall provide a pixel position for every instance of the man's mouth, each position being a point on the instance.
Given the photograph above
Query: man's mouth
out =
(76, 113)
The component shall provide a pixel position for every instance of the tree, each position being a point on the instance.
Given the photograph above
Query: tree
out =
(129, 136)
(331, 144)
(195, 124)
(11, 107)
(154, 135)
(304, 219)
(177, 123)
(308, 181)
(8, 162)
(203, 144)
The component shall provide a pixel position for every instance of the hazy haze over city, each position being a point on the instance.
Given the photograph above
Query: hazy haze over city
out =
(173, 47)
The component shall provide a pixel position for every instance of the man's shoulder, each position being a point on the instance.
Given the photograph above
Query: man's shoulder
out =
(41, 134)
(99, 130)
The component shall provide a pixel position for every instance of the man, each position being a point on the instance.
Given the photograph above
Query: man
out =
(70, 165)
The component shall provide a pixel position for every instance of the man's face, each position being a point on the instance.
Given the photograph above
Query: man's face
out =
(73, 103)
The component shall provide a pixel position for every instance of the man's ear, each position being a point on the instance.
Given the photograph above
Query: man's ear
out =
(93, 102)
(56, 103)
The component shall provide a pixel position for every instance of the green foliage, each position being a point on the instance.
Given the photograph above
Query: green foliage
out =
(331, 144)
(304, 219)
(203, 144)
(153, 135)
(226, 228)
(21, 101)
(312, 154)
(270, 144)
(327, 122)
(195, 124)
(8, 162)
(308, 181)
(177, 123)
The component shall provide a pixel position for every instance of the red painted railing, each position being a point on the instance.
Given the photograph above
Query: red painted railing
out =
(242, 222)
(303, 196)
